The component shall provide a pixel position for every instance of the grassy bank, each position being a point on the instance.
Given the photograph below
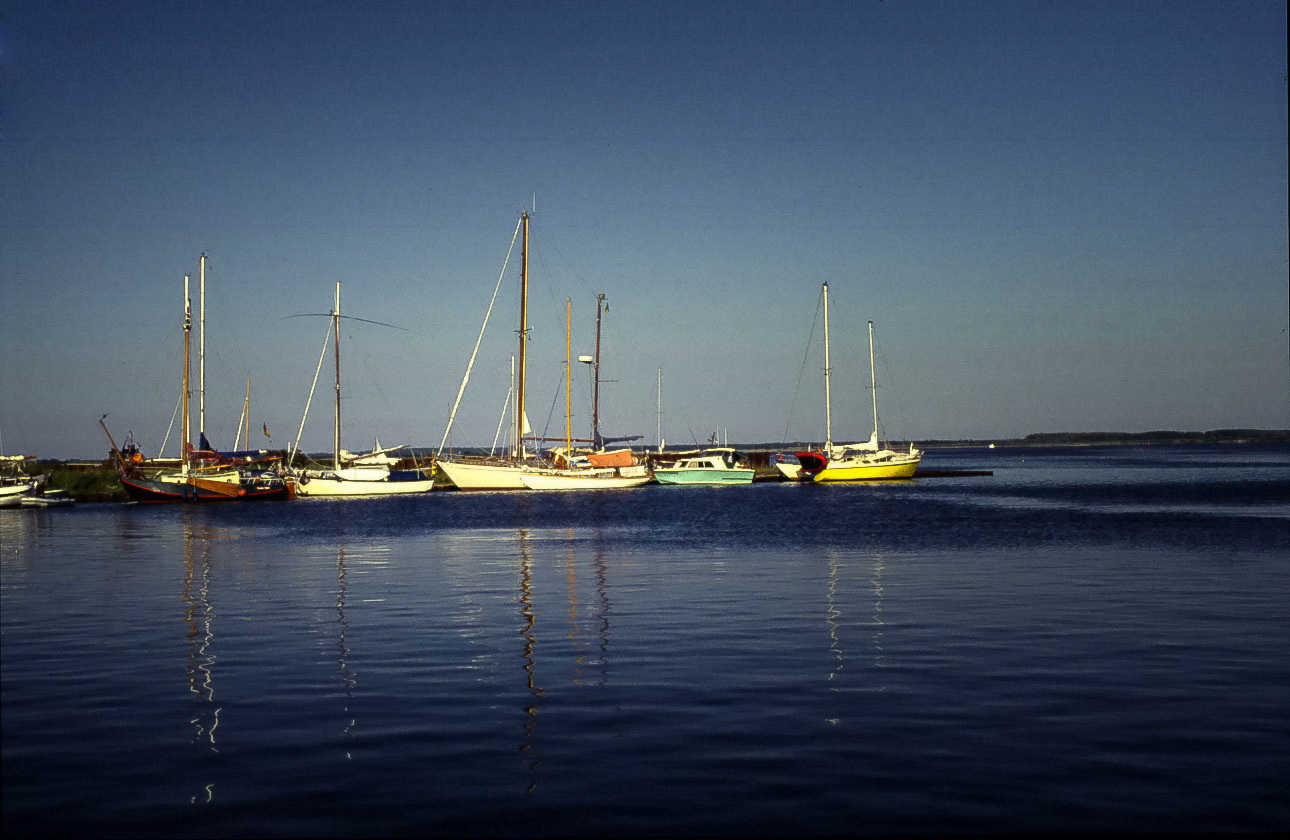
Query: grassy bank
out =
(82, 484)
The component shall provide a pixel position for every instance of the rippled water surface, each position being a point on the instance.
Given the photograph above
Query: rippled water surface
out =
(1088, 639)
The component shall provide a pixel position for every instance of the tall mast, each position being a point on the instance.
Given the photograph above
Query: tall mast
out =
(595, 396)
(873, 383)
(658, 412)
(188, 328)
(247, 410)
(524, 335)
(335, 440)
(201, 353)
(828, 376)
(245, 420)
(568, 379)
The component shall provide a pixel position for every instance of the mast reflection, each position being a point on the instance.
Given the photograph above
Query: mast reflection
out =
(534, 757)
(571, 589)
(347, 677)
(199, 617)
(831, 615)
(601, 570)
(878, 623)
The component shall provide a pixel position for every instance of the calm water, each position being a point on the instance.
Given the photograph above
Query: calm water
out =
(1089, 639)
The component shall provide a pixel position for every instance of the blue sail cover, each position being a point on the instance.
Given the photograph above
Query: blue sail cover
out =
(601, 440)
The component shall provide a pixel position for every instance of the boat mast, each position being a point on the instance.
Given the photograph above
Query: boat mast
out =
(658, 412)
(828, 375)
(524, 334)
(595, 391)
(247, 410)
(201, 353)
(245, 420)
(335, 439)
(568, 381)
(188, 328)
(873, 384)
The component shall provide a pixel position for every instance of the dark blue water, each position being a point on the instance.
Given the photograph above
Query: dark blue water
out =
(1089, 639)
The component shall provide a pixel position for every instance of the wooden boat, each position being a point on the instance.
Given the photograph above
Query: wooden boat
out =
(854, 461)
(497, 473)
(596, 470)
(369, 474)
(536, 478)
(720, 465)
(204, 474)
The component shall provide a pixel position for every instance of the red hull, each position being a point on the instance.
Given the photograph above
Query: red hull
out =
(151, 491)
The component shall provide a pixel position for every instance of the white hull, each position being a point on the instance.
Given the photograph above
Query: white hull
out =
(340, 487)
(581, 480)
(482, 476)
(791, 472)
(11, 494)
(54, 498)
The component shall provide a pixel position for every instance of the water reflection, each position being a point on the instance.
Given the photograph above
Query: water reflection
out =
(878, 623)
(199, 621)
(571, 589)
(530, 642)
(601, 570)
(347, 677)
(831, 615)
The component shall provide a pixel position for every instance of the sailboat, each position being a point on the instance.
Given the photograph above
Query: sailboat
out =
(854, 461)
(368, 474)
(14, 483)
(204, 474)
(503, 473)
(591, 471)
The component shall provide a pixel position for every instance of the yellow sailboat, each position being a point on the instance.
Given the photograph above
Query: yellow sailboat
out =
(866, 461)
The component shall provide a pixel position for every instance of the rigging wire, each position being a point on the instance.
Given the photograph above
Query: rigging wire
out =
(819, 302)
(323, 355)
(470, 365)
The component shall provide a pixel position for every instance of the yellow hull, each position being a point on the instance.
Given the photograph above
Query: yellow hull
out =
(867, 472)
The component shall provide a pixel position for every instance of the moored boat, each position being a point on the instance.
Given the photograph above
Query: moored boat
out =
(571, 469)
(497, 473)
(203, 475)
(619, 478)
(720, 465)
(14, 483)
(866, 461)
(788, 470)
(368, 474)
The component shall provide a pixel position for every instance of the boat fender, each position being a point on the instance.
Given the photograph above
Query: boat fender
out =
(241, 491)
(304, 479)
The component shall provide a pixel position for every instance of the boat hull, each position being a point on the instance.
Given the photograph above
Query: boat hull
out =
(581, 480)
(325, 486)
(11, 494)
(790, 472)
(692, 476)
(197, 491)
(862, 470)
(467, 475)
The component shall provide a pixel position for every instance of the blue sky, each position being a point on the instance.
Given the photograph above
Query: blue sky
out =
(1060, 216)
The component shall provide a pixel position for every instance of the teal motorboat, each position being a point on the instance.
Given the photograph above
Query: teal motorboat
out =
(709, 466)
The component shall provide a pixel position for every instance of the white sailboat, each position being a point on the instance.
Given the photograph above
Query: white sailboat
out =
(363, 475)
(562, 473)
(498, 473)
(854, 461)
(14, 483)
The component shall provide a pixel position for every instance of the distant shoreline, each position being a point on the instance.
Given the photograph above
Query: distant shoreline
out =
(1165, 437)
